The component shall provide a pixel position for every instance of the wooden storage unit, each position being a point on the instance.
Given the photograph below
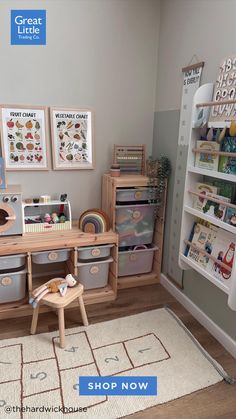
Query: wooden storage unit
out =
(71, 239)
(109, 190)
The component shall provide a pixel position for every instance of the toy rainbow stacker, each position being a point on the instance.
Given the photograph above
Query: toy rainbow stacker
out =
(94, 221)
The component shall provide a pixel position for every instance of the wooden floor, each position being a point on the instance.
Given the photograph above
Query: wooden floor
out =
(218, 401)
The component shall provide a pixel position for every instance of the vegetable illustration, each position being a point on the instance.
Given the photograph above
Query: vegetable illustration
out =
(66, 133)
(69, 157)
(69, 125)
(29, 125)
(77, 125)
(83, 135)
(77, 136)
(37, 125)
(19, 125)
(61, 135)
(60, 123)
(11, 137)
(10, 124)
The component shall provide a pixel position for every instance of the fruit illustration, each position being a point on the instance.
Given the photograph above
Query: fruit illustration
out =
(19, 146)
(37, 125)
(19, 125)
(30, 146)
(29, 125)
(77, 125)
(37, 136)
(29, 136)
(10, 124)
(22, 157)
(19, 134)
(69, 125)
(12, 148)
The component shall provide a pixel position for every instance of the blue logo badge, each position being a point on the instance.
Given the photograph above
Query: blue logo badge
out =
(28, 27)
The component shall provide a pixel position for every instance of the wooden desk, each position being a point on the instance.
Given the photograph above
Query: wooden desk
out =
(68, 239)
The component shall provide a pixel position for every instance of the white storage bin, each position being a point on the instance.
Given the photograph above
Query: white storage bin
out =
(94, 274)
(94, 252)
(135, 262)
(11, 262)
(12, 286)
(51, 256)
(132, 194)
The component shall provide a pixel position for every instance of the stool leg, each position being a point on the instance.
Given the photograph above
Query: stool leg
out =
(83, 311)
(61, 327)
(34, 320)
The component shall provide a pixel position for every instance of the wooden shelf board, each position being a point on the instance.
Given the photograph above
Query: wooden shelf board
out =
(210, 219)
(212, 173)
(137, 280)
(204, 273)
(128, 180)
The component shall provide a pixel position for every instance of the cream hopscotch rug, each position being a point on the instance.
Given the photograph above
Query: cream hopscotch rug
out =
(35, 373)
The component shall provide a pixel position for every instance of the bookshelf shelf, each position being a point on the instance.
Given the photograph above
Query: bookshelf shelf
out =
(190, 215)
(204, 273)
(212, 173)
(210, 219)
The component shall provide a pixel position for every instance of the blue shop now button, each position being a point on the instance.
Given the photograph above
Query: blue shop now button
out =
(118, 386)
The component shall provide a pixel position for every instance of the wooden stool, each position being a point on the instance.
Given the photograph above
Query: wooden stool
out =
(55, 300)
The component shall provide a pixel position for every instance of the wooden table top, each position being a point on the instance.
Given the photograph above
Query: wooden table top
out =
(33, 242)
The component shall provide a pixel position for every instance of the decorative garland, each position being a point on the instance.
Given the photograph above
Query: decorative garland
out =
(158, 171)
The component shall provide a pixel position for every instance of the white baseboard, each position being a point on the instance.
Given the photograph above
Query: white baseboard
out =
(225, 340)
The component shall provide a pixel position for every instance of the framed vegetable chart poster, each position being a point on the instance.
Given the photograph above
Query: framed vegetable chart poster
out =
(72, 138)
(24, 137)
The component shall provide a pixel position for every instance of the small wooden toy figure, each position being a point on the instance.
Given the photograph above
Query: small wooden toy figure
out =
(55, 218)
(47, 218)
(53, 286)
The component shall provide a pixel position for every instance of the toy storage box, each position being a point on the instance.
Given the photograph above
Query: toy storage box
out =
(134, 262)
(132, 194)
(135, 224)
(12, 286)
(94, 274)
(11, 262)
(90, 253)
(51, 256)
(35, 211)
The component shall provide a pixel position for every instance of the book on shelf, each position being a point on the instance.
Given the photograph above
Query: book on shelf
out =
(227, 164)
(215, 209)
(230, 217)
(226, 189)
(204, 189)
(203, 238)
(223, 250)
(206, 160)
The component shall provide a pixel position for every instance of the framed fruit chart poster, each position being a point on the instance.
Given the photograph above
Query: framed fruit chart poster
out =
(24, 138)
(72, 138)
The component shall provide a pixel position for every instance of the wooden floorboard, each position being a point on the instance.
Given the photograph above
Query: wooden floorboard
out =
(218, 401)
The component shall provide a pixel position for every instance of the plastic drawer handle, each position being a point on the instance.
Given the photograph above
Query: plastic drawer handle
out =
(6, 281)
(138, 195)
(95, 252)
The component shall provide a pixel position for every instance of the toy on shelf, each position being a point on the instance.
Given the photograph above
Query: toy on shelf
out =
(53, 286)
(130, 158)
(46, 216)
(94, 221)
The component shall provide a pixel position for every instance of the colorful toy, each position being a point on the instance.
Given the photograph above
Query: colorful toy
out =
(55, 218)
(94, 221)
(47, 218)
(53, 286)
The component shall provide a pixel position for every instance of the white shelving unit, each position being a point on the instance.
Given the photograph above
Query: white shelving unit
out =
(189, 215)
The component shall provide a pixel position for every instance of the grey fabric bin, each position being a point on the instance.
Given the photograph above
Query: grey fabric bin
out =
(12, 286)
(94, 274)
(51, 256)
(11, 262)
(94, 252)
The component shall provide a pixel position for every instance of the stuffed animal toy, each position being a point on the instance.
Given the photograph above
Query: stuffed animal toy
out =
(53, 286)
